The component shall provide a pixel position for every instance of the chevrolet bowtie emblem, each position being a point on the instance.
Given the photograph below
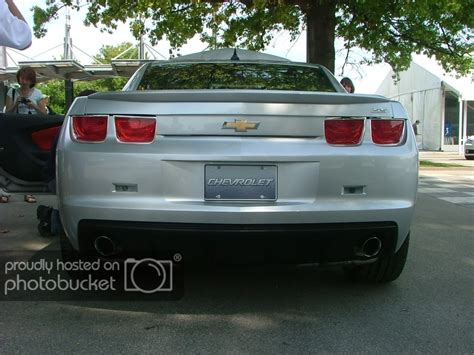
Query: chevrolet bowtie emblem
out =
(240, 125)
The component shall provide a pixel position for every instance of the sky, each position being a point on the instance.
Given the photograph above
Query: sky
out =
(88, 40)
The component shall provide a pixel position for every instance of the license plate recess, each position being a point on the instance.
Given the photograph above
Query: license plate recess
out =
(240, 182)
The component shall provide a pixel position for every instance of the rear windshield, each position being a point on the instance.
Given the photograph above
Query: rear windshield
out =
(260, 76)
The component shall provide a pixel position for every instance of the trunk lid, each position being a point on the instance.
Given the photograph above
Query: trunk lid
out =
(237, 112)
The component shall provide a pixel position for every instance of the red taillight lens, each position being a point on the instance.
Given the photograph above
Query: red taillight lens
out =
(90, 128)
(44, 139)
(344, 131)
(387, 131)
(135, 129)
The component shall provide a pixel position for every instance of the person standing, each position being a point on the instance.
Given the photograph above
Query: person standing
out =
(27, 99)
(14, 30)
(15, 33)
(415, 127)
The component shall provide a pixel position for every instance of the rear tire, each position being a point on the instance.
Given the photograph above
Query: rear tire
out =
(470, 157)
(386, 269)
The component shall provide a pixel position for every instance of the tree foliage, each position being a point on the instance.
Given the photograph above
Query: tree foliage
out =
(106, 54)
(393, 30)
(389, 30)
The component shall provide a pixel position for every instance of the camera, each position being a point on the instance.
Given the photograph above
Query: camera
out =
(148, 275)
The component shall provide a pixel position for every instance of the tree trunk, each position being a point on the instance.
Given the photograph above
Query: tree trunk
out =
(320, 29)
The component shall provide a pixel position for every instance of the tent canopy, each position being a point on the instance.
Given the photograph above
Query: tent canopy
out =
(73, 70)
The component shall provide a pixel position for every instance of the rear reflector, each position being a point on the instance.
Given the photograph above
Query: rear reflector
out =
(344, 131)
(387, 131)
(90, 128)
(44, 139)
(135, 129)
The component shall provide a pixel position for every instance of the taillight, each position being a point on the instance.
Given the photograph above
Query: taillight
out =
(344, 131)
(135, 129)
(387, 131)
(90, 128)
(44, 139)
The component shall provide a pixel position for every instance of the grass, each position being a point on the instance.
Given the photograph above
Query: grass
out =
(430, 164)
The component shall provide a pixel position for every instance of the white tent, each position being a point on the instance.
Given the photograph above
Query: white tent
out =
(441, 103)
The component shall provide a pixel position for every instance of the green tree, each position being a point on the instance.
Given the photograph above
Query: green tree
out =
(57, 97)
(390, 30)
(106, 54)
(55, 90)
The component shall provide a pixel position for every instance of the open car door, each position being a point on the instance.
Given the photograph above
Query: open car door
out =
(25, 146)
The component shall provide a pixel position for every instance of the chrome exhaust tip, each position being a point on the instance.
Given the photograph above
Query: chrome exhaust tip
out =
(370, 248)
(105, 246)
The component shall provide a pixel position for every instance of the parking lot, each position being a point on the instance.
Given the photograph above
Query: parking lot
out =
(268, 309)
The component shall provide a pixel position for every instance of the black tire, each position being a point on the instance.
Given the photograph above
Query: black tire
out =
(471, 157)
(386, 269)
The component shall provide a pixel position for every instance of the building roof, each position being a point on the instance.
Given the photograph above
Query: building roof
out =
(426, 74)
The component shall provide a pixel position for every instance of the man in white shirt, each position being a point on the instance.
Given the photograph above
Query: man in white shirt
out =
(14, 30)
(15, 33)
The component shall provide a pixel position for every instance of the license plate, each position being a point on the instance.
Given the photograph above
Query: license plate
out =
(240, 182)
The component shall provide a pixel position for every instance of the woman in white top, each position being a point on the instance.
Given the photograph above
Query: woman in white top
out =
(27, 99)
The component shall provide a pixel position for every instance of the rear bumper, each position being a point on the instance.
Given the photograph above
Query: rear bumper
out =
(165, 182)
(212, 217)
(282, 243)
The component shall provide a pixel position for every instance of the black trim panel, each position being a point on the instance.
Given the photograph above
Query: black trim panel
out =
(287, 243)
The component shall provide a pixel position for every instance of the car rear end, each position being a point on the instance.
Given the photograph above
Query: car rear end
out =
(305, 176)
(190, 158)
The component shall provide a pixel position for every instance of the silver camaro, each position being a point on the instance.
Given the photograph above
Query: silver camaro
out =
(234, 150)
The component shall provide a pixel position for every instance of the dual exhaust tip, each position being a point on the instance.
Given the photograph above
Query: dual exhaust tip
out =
(370, 247)
(106, 246)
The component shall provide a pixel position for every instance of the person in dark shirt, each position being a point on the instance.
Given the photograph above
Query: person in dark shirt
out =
(415, 127)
